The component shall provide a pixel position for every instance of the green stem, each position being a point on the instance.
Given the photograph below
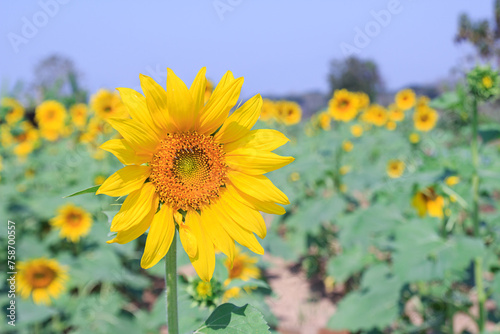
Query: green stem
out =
(481, 296)
(171, 283)
(478, 263)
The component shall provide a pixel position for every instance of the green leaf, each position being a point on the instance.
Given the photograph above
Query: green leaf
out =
(231, 319)
(344, 266)
(90, 190)
(257, 283)
(374, 306)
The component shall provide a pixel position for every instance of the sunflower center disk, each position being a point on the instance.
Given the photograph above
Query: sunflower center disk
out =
(41, 277)
(188, 170)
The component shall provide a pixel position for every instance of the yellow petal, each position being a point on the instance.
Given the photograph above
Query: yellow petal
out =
(204, 262)
(179, 103)
(226, 80)
(160, 236)
(219, 236)
(134, 231)
(156, 99)
(435, 207)
(241, 121)
(197, 90)
(136, 206)
(264, 140)
(258, 186)
(138, 108)
(127, 156)
(215, 112)
(124, 181)
(188, 240)
(255, 162)
(267, 207)
(238, 233)
(246, 216)
(136, 135)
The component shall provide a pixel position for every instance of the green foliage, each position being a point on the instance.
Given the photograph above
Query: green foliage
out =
(230, 319)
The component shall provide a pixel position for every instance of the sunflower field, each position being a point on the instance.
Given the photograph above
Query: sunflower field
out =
(392, 209)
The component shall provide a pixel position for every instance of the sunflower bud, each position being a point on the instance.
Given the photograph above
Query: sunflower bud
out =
(483, 82)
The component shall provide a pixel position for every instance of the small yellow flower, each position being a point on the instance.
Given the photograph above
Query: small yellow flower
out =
(73, 222)
(288, 112)
(428, 202)
(243, 267)
(15, 110)
(294, 177)
(42, 278)
(343, 188)
(79, 115)
(324, 121)
(395, 168)
(344, 169)
(405, 99)
(356, 130)
(452, 180)
(363, 100)
(51, 117)
(396, 114)
(269, 111)
(329, 284)
(375, 114)
(425, 118)
(99, 179)
(107, 104)
(391, 126)
(422, 101)
(343, 106)
(347, 145)
(414, 138)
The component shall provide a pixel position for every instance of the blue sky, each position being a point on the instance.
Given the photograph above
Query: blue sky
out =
(280, 46)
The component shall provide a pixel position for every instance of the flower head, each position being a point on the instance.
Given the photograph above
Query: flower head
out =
(107, 104)
(347, 145)
(405, 99)
(269, 111)
(73, 222)
(243, 267)
(79, 115)
(42, 278)
(483, 82)
(14, 111)
(395, 168)
(344, 105)
(414, 138)
(428, 202)
(192, 161)
(288, 112)
(356, 130)
(51, 117)
(425, 118)
(396, 114)
(375, 114)
(325, 120)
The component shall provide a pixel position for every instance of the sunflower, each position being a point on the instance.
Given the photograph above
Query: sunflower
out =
(243, 267)
(42, 278)
(192, 158)
(24, 138)
(79, 115)
(396, 114)
(452, 180)
(347, 145)
(428, 202)
(363, 100)
(344, 169)
(107, 104)
(395, 168)
(422, 101)
(324, 121)
(14, 110)
(391, 126)
(405, 99)
(414, 138)
(51, 116)
(375, 114)
(425, 118)
(344, 105)
(73, 222)
(268, 110)
(288, 112)
(356, 130)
